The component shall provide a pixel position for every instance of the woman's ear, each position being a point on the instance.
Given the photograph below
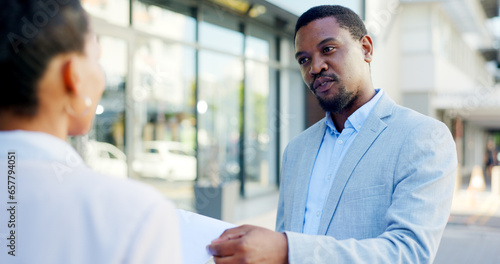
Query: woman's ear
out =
(71, 76)
(77, 105)
(367, 45)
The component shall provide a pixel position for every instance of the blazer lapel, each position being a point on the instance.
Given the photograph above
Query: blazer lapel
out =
(303, 176)
(369, 132)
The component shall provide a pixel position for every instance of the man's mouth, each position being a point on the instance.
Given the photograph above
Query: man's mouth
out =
(323, 84)
(323, 87)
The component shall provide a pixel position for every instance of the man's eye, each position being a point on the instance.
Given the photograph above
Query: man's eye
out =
(302, 60)
(328, 49)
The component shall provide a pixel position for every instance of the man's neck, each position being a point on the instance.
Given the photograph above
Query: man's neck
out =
(340, 118)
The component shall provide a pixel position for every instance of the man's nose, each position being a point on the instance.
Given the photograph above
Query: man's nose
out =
(318, 65)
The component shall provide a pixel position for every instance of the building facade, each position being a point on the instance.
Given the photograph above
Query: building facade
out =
(198, 93)
(440, 57)
(206, 92)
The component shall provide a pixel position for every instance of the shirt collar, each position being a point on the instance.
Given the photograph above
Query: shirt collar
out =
(356, 119)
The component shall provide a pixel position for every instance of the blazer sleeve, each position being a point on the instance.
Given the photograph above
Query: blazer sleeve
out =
(280, 218)
(421, 201)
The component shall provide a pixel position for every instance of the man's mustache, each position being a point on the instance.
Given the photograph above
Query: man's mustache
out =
(332, 76)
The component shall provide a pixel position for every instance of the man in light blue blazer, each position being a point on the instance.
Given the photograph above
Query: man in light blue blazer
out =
(370, 183)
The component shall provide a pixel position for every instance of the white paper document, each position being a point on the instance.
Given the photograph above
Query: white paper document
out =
(197, 232)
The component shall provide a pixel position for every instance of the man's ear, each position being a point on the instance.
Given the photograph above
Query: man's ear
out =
(71, 77)
(367, 45)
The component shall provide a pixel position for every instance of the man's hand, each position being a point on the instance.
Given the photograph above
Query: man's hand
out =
(250, 244)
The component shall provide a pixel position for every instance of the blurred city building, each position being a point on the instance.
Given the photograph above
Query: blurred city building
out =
(214, 83)
(201, 93)
(441, 58)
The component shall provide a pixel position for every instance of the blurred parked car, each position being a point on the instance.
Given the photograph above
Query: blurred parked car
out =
(106, 159)
(168, 160)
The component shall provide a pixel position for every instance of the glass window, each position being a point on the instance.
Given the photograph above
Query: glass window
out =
(292, 119)
(163, 22)
(257, 48)
(260, 44)
(114, 11)
(298, 7)
(220, 87)
(220, 38)
(260, 114)
(105, 150)
(164, 92)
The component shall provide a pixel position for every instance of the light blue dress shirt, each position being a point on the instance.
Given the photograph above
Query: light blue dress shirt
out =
(329, 157)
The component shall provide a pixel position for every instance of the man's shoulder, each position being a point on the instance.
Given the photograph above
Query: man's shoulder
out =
(413, 126)
(410, 118)
(396, 115)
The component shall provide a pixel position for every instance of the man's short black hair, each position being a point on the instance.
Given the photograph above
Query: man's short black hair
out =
(33, 32)
(345, 17)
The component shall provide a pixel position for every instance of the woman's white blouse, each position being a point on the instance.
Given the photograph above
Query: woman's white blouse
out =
(54, 209)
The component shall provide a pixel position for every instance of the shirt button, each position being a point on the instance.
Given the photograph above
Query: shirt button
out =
(329, 177)
(340, 141)
(318, 213)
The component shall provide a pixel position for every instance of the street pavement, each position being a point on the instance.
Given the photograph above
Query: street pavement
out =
(473, 231)
(462, 244)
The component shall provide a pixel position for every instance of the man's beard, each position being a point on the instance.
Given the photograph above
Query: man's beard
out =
(343, 100)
